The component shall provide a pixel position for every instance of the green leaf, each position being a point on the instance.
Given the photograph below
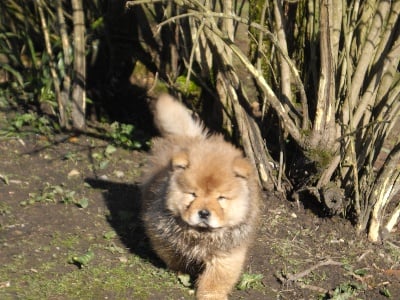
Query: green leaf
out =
(59, 190)
(110, 149)
(184, 279)
(110, 235)
(360, 272)
(103, 164)
(82, 260)
(97, 23)
(97, 156)
(385, 292)
(83, 203)
(5, 179)
(249, 281)
(17, 75)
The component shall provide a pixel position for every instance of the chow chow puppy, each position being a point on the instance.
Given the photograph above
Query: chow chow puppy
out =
(200, 201)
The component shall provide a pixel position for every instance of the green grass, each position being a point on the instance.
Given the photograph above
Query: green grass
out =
(133, 279)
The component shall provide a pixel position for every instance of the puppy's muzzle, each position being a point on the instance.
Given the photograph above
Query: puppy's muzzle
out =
(204, 214)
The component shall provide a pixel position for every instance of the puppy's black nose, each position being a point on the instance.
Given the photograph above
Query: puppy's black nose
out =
(204, 214)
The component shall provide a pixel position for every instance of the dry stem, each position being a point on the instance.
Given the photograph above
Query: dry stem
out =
(53, 71)
(298, 276)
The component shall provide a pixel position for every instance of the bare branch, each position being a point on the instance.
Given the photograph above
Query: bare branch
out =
(388, 33)
(79, 80)
(65, 93)
(175, 18)
(394, 218)
(252, 142)
(383, 191)
(335, 28)
(368, 51)
(324, 128)
(281, 37)
(298, 276)
(356, 179)
(261, 36)
(53, 71)
(272, 98)
(199, 32)
(364, 19)
(329, 170)
(130, 4)
(387, 70)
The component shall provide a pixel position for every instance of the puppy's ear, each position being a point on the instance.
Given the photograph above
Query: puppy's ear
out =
(180, 160)
(241, 167)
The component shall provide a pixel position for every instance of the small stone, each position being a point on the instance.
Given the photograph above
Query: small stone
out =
(73, 173)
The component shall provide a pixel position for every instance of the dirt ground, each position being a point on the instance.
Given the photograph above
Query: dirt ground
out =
(69, 229)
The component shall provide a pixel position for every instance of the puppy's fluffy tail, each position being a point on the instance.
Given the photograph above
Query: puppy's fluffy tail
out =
(173, 118)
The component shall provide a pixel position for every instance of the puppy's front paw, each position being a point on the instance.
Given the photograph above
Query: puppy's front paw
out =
(211, 296)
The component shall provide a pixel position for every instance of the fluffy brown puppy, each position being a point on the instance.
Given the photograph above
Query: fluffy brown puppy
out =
(200, 201)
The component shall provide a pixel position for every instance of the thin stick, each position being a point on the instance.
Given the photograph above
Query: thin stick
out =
(194, 48)
(296, 277)
(130, 4)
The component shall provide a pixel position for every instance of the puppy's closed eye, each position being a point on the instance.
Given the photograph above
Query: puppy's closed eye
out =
(222, 198)
(192, 195)
(180, 161)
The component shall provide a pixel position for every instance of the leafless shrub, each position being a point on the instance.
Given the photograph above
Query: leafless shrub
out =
(327, 70)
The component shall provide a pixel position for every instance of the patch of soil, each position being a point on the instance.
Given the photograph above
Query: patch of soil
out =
(44, 221)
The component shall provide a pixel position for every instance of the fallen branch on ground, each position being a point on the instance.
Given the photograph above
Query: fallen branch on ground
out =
(292, 278)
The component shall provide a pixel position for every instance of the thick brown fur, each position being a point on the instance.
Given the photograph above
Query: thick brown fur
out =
(200, 201)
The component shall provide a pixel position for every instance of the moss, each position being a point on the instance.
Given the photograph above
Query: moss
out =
(322, 157)
(188, 88)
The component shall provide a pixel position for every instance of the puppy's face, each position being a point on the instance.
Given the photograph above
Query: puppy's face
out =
(211, 192)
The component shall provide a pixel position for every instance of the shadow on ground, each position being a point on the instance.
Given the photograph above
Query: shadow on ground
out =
(123, 203)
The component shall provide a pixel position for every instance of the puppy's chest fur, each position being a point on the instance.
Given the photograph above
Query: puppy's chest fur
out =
(199, 244)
